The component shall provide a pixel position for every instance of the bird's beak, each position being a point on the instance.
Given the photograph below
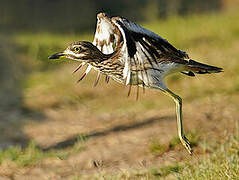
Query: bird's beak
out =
(57, 55)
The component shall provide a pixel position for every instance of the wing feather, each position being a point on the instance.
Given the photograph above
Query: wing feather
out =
(137, 32)
(107, 34)
(143, 50)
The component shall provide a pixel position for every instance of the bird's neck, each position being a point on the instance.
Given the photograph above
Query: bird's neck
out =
(108, 64)
(98, 57)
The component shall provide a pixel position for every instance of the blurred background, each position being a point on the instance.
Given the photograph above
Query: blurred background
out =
(74, 16)
(45, 116)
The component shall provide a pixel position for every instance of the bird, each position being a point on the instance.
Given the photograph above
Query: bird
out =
(135, 56)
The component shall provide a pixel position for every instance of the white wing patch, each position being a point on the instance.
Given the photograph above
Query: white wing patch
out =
(105, 34)
(102, 36)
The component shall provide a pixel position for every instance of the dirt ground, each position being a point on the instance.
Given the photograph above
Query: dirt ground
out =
(115, 141)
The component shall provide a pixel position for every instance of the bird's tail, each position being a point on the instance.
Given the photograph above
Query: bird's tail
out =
(200, 68)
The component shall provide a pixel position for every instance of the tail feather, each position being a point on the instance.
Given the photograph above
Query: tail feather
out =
(200, 68)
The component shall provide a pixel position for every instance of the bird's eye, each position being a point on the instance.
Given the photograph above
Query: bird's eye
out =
(77, 49)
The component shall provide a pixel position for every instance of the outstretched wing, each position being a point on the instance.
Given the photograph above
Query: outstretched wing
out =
(143, 49)
(107, 35)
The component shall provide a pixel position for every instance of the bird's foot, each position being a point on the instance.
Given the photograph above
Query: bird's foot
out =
(187, 144)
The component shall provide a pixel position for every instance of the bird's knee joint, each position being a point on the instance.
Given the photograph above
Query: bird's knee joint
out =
(179, 100)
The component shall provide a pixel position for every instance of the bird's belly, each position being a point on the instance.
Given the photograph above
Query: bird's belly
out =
(170, 68)
(155, 74)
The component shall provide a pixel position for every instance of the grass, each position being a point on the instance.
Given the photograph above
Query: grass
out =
(32, 154)
(222, 164)
(192, 135)
(157, 149)
(29, 156)
(50, 89)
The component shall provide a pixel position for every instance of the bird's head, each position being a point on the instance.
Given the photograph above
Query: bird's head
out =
(79, 51)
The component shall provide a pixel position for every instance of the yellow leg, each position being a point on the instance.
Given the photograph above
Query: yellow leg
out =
(178, 102)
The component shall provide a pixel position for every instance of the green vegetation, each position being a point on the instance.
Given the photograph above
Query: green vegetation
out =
(165, 171)
(158, 149)
(32, 155)
(222, 164)
(193, 136)
(29, 156)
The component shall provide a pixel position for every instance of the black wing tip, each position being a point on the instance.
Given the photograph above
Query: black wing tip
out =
(204, 67)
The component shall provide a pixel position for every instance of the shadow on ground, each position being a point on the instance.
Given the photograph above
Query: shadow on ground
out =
(13, 116)
(71, 141)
